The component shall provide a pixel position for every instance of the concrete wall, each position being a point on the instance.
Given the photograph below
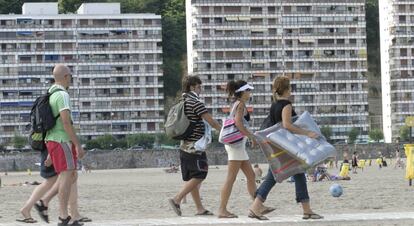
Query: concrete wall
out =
(163, 158)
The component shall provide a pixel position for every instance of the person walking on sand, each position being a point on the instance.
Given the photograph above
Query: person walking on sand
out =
(61, 141)
(240, 92)
(354, 162)
(194, 166)
(282, 111)
(398, 161)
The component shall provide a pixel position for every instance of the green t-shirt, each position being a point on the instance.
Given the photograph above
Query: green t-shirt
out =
(58, 101)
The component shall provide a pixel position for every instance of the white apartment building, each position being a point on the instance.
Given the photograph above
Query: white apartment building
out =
(397, 64)
(116, 60)
(319, 44)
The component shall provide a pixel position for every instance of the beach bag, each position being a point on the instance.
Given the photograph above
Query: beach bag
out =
(230, 134)
(177, 125)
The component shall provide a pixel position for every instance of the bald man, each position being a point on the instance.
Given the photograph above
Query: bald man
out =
(61, 141)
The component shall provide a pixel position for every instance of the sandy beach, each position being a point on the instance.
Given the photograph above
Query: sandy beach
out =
(139, 194)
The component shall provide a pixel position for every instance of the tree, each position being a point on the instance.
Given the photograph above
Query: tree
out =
(107, 142)
(91, 144)
(164, 139)
(174, 44)
(376, 135)
(352, 135)
(327, 132)
(404, 133)
(145, 140)
(19, 141)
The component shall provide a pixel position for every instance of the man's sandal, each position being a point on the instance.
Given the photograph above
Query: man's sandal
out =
(42, 210)
(313, 216)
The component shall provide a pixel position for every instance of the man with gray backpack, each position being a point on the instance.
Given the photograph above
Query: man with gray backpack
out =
(185, 123)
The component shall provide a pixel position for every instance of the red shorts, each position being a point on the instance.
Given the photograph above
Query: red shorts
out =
(63, 155)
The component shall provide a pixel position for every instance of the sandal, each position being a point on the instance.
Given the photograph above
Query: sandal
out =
(85, 219)
(42, 210)
(27, 220)
(231, 215)
(313, 216)
(63, 222)
(175, 207)
(268, 210)
(76, 223)
(259, 217)
(205, 213)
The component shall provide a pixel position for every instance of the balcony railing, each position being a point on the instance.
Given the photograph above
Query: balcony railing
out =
(307, 2)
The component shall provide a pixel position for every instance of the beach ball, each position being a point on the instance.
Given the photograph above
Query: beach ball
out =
(336, 190)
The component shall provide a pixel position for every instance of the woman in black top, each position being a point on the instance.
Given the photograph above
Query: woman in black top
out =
(282, 111)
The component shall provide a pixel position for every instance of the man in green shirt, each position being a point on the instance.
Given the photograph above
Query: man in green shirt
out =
(61, 141)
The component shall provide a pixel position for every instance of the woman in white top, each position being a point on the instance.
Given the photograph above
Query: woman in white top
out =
(237, 155)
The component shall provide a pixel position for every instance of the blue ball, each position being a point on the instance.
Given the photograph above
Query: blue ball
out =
(336, 190)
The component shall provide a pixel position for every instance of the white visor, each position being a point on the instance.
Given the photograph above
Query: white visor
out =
(244, 88)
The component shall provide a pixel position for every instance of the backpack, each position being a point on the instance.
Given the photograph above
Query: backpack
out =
(177, 125)
(41, 120)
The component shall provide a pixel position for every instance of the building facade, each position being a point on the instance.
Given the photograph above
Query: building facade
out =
(115, 58)
(320, 45)
(397, 64)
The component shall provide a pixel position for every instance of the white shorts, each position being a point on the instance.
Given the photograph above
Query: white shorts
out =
(237, 152)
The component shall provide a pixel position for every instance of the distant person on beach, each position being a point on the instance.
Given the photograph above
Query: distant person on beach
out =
(62, 143)
(258, 173)
(282, 111)
(398, 161)
(194, 166)
(354, 162)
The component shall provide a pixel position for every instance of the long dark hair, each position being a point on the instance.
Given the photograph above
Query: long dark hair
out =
(232, 86)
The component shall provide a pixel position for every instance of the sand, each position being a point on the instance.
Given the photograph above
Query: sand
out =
(112, 195)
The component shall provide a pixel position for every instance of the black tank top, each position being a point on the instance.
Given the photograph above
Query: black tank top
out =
(276, 110)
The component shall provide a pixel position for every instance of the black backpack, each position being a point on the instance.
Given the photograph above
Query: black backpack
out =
(41, 120)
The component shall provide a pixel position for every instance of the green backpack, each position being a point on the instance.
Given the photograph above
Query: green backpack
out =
(178, 126)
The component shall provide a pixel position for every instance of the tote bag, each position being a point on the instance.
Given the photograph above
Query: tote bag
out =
(230, 134)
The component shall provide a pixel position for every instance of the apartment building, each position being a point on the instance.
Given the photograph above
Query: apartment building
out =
(397, 64)
(115, 59)
(319, 44)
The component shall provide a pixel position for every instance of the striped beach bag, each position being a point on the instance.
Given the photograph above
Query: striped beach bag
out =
(230, 134)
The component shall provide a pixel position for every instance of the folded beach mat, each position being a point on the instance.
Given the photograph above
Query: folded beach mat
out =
(289, 154)
(282, 164)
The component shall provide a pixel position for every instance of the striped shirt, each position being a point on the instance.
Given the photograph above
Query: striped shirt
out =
(194, 108)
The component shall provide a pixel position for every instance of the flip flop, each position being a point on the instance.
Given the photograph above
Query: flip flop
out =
(85, 219)
(205, 213)
(175, 207)
(27, 220)
(42, 210)
(259, 217)
(268, 210)
(231, 215)
(76, 223)
(313, 216)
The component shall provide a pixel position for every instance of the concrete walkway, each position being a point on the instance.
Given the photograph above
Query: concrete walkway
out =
(404, 218)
